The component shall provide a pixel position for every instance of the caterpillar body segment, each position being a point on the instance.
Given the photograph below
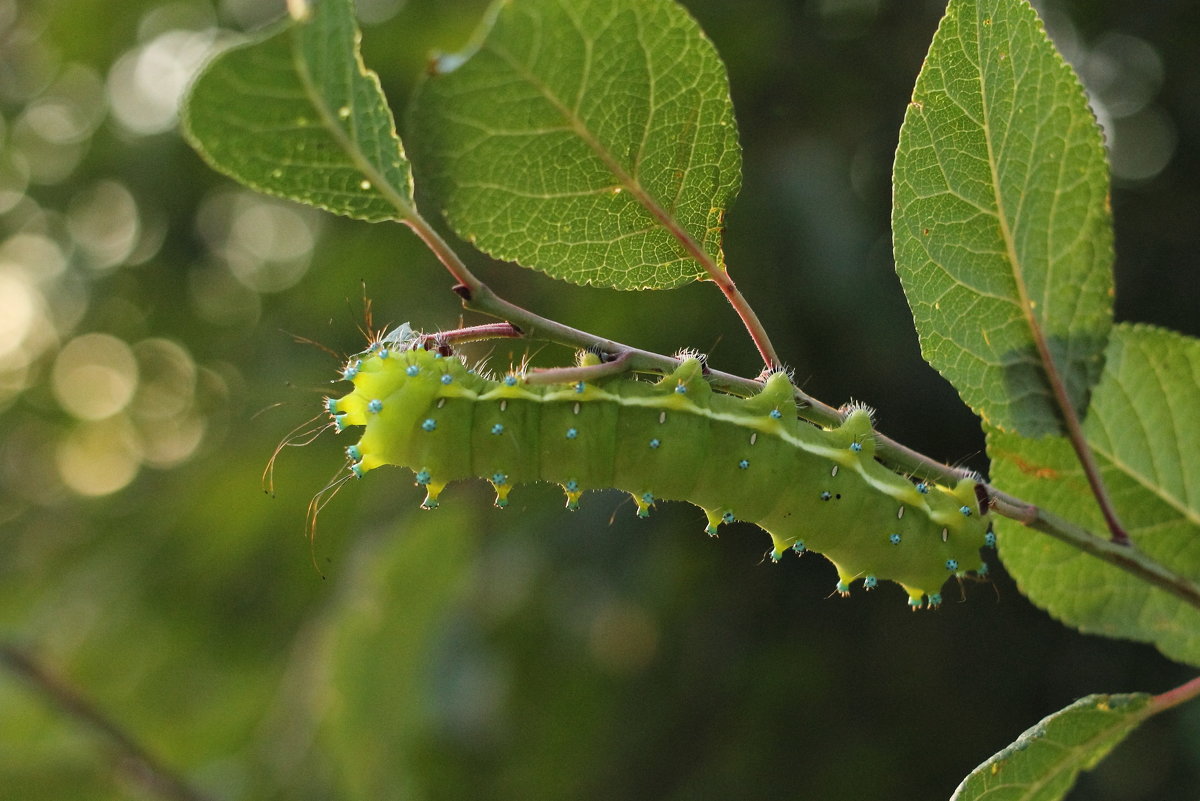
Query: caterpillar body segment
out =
(748, 459)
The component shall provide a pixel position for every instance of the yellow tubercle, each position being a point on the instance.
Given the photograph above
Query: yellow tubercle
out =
(781, 544)
(573, 496)
(432, 491)
(644, 502)
(502, 490)
(916, 598)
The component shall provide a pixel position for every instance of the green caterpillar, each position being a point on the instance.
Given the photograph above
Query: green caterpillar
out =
(746, 459)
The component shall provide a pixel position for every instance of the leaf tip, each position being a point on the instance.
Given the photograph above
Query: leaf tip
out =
(299, 10)
(441, 63)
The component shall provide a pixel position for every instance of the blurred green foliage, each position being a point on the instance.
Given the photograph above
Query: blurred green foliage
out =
(471, 653)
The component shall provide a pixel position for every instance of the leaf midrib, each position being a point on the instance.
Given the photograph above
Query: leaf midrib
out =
(626, 180)
(1024, 302)
(378, 180)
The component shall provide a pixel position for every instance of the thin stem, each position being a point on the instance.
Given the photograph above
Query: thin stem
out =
(1086, 458)
(438, 246)
(443, 340)
(1172, 698)
(1053, 377)
(1125, 557)
(749, 318)
(142, 766)
(472, 289)
(478, 297)
(587, 372)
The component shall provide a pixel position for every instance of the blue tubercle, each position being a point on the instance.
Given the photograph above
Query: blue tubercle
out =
(352, 369)
(915, 603)
(843, 589)
(655, 443)
(935, 600)
(680, 388)
(856, 447)
(952, 565)
(447, 379)
(384, 353)
(423, 477)
(894, 539)
(826, 495)
(743, 464)
(375, 406)
(339, 423)
(354, 453)
(572, 486)
(870, 582)
(510, 380)
(966, 511)
(728, 517)
(429, 425)
(499, 479)
(357, 470)
(572, 433)
(989, 540)
(498, 428)
(775, 414)
(412, 370)
(331, 405)
(775, 556)
(798, 546)
(580, 387)
(923, 488)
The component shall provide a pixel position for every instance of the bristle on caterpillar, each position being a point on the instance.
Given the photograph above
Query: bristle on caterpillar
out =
(749, 459)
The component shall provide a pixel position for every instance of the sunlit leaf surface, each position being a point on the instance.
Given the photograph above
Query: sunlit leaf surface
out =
(1001, 222)
(591, 140)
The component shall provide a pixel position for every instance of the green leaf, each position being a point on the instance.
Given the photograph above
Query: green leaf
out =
(1001, 224)
(1044, 762)
(1143, 426)
(298, 115)
(593, 140)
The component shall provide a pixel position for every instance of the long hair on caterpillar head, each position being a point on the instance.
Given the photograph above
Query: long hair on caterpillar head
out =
(311, 429)
(304, 434)
(318, 502)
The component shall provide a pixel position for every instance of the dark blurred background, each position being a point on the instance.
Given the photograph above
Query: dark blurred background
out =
(150, 313)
